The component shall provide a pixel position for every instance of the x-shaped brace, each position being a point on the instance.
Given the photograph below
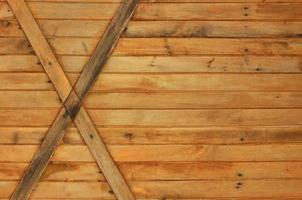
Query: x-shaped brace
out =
(72, 110)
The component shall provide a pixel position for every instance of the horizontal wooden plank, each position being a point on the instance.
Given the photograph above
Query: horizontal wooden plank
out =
(171, 100)
(95, 28)
(135, 153)
(196, 189)
(206, 135)
(218, 198)
(63, 171)
(171, 189)
(217, 29)
(164, 11)
(165, 1)
(194, 100)
(164, 46)
(218, 11)
(162, 118)
(26, 81)
(5, 12)
(38, 99)
(169, 1)
(197, 82)
(164, 64)
(198, 117)
(160, 82)
(155, 171)
(54, 190)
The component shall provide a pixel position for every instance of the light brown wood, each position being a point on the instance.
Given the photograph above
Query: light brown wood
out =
(129, 153)
(157, 100)
(200, 100)
(163, 82)
(162, 117)
(192, 189)
(171, 1)
(165, 46)
(95, 28)
(166, 11)
(219, 198)
(159, 171)
(125, 135)
(175, 189)
(163, 64)
(64, 89)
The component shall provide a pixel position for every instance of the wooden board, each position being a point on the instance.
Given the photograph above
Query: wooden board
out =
(162, 82)
(165, 11)
(129, 153)
(162, 118)
(149, 190)
(202, 135)
(157, 100)
(95, 28)
(162, 46)
(164, 64)
(160, 171)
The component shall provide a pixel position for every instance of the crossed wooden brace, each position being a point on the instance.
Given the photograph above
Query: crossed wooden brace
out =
(72, 110)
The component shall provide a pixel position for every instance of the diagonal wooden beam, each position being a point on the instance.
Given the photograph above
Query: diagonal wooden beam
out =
(72, 98)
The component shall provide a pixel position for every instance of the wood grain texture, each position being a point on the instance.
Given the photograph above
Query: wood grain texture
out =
(129, 136)
(150, 29)
(165, 46)
(150, 190)
(157, 100)
(57, 129)
(200, 100)
(161, 118)
(165, 11)
(172, 153)
(162, 171)
(72, 103)
(161, 82)
(164, 64)
(165, 1)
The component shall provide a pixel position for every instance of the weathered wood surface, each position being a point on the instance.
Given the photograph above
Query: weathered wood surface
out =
(162, 117)
(162, 82)
(162, 171)
(164, 46)
(145, 135)
(164, 64)
(157, 100)
(72, 102)
(192, 115)
(95, 28)
(175, 189)
(165, 11)
(169, 1)
(129, 153)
